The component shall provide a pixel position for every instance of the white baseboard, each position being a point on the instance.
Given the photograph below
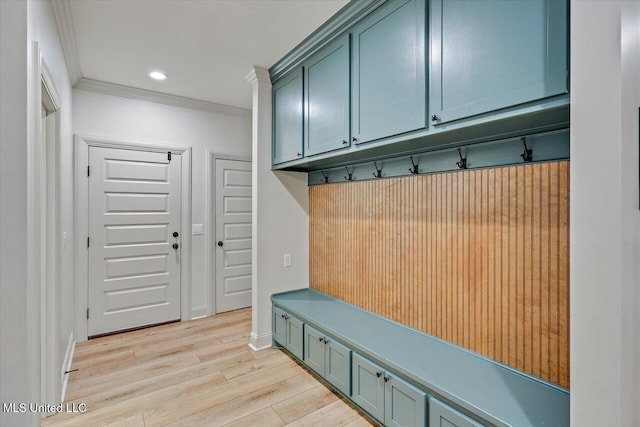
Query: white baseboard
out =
(199, 312)
(260, 342)
(66, 365)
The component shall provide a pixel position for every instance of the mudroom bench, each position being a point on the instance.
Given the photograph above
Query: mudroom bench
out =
(403, 377)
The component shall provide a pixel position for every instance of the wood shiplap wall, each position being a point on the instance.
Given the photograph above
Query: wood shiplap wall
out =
(479, 258)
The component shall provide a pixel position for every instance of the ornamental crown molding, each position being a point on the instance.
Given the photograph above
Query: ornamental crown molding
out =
(159, 98)
(66, 31)
(345, 18)
(258, 75)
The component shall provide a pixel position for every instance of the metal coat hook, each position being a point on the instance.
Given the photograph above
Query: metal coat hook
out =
(349, 176)
(325, 178)
(527, 156)
(462, 164)
(378, 173)
(414, 166)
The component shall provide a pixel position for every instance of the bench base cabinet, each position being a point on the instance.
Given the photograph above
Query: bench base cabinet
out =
(386, 397)
(287, 331)
(441, 415)
(328, 358)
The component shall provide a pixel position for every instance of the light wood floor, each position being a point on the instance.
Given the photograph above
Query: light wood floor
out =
(195, 374)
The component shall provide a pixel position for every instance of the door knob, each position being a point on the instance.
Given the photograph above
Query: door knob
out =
(175, 234)
(435, 118)
(220, 243)
(175, 246)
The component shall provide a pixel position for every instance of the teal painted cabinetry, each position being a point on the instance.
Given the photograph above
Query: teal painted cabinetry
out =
(328, 358)
(388, 95)
(326, 98)
(441, 415)
(287, 118)
(386, 397)
(288, 332)
(493, 54)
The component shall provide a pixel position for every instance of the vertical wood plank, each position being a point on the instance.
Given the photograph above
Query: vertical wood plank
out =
(476, 257)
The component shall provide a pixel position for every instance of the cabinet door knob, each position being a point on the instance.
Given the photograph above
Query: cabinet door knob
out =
(354, 139)
(387, 379)
(175, 234)
(435, 118)
(220, 243)
(320, 339)
(345, 142)
(175, 246)
(299, 154)
(378, 374)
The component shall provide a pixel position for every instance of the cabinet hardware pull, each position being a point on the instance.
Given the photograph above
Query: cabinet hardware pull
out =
(435, 118)
(387, 379)
(527, 156)
(325, 178)
(354, 139)
(299, 154)
(378, 374)
(462, 164)
(320, 339)
(344, 142)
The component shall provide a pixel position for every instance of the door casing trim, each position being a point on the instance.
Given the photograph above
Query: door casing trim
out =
(210, 224)
(82, 145)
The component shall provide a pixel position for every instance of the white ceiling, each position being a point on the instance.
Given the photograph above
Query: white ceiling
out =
(206, 47)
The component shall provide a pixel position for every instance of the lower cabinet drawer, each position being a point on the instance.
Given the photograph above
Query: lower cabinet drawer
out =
(441, 415)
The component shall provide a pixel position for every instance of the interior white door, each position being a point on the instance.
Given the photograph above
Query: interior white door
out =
(134, 239)
(233, 235)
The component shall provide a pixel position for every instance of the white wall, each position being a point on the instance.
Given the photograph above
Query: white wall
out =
(280, 218)
(103, 115)
(605, 221)
(14, 372)
(21, 24)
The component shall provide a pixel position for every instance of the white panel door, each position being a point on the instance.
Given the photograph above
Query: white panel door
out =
(134, 246)
(233, 235)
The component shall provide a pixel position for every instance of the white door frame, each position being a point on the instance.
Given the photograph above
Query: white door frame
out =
(210, 224)
(52, 368)
(82, 144)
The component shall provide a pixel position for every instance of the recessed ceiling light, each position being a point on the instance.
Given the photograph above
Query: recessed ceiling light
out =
(158, 75)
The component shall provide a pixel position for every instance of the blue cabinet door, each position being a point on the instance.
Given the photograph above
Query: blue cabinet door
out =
(441, 415)
(279, 327)
(337, 366)
(388, 94)
(367, 386)
(405, 405)
(314, 349)
(287, 118)
(295, 336)
(491, 54)
(326, 90)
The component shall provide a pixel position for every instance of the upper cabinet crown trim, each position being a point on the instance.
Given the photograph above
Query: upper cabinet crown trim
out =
(349, 15)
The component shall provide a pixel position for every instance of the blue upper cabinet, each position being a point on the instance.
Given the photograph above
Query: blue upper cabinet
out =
(492, 54)
(326, 98)
(287, 118)
(388, 71)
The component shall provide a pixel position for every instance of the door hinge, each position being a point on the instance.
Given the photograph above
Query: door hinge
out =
(88, 241)
(87, 313)
(88, 170)
(169, 155)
